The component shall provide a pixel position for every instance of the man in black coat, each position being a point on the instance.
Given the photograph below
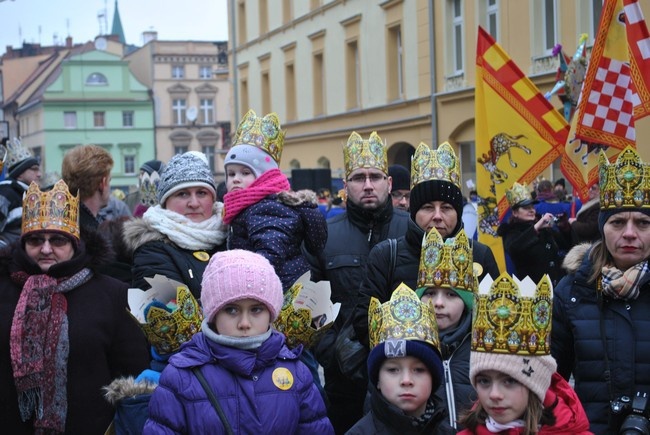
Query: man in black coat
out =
(369, 219)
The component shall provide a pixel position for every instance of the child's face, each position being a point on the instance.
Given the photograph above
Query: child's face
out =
(243, 318)
(447, 305)
(502, 397)
(406, 383)
(238, 177)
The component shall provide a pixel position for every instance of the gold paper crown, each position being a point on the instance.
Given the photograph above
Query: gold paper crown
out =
(404, 317)
(504, 321)
(441, 164)
(517, 193)
(16, 152)
(149, 188)
(166, 330)
(296, 323)
(624, 184)
(446, 263)
(360, 153)
(264, 133)
(55, 209)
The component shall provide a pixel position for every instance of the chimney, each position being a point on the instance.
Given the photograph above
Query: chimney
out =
(149, 35)
(68, 42)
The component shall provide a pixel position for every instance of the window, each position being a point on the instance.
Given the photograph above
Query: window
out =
(180, 149)
(70, 119)
(243, 87)
(319, 84)
(209, 153)
(492, 13)
(352, 75)
(206, 111)
(263, 13)
(127, 118)
(457, 36)
(550, 23)
(96, 79)
(266, 92)
(178, 72)
(290, 91)
(179, 109)
(395, 64)
(596, 10)
(286, 11)
(129, 165)
(99, 120)
(241, 21)
(205, 72)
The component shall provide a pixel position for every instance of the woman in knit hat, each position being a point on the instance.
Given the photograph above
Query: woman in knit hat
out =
(527, 236)
(601, 326)
(177, 237)
(258, 383)
(263, 214)
(519, 391)
(404, 369)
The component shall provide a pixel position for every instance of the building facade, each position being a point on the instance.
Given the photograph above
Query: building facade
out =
(404, 68)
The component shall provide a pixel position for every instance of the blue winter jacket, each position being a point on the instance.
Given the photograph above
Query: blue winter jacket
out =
(264, 390)
(578, 346)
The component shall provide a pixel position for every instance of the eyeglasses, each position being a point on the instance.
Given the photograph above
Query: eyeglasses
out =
(55, 241)
(398, 196)
(361, 178)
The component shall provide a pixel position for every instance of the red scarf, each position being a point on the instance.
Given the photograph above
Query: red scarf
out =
(271, 182)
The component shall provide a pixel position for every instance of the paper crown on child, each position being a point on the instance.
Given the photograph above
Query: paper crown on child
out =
(624, 184)
(149, 188)
(54, 210)
(262, 132)
(506, 321)
(441, 164)
(404, 317)
(19, 158)
(307, 312)
(167, 313)
(518, 195)
(362, 153)
(511, 331)
(447, 264)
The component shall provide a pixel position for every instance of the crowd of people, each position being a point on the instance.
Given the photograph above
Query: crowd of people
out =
(431, 336)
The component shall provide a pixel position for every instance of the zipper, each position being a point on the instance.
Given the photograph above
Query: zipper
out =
(449, 389)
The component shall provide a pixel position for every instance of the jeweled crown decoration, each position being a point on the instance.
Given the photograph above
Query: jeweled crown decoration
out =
(625, 183)
(360, 153)
(446, 263)
(16, 152)
(404, 317)
(149, 188)
(504, 321)
(441, 164)
(517, 193)
(166, 330)
(264, 133)
(56, 209)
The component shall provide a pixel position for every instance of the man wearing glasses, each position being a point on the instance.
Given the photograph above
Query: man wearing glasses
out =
(369, 218)
(401, 189)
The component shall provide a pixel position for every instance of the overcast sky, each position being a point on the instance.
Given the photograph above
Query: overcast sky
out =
(41, 20)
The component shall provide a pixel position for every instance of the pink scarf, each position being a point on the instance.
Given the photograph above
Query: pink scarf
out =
(271, 182)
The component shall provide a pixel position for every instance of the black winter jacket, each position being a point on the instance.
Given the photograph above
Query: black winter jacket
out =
(589, 332)
(11, 210)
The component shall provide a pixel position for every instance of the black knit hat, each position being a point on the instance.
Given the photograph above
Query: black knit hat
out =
(401, 177)
(151, 166)
(437, 190)
(16, 170)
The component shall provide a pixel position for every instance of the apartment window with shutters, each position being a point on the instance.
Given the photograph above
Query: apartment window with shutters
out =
(70, 120)
(99, 119)
(179, 111)
(127, 118)
(206, 111)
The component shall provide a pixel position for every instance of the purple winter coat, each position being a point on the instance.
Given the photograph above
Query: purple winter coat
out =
(249, 386)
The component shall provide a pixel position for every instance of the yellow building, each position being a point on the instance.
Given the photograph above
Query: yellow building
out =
(404, 68)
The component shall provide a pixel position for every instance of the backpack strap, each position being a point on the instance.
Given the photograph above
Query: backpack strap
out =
(213, 399)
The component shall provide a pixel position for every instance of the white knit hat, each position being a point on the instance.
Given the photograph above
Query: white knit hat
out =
(532, 371)
(185, 170)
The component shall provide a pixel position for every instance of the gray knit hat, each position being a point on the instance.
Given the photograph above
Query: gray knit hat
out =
(185, 170)
(252, 157)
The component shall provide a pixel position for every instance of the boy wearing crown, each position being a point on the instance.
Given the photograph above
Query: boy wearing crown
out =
(404, 368)
(601, 329)
(64, 328)
(369, 218)
(23, 168)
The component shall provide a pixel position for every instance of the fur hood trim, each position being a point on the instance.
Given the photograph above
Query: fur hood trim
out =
(137, 232)
(301, 197)
(574, 257)
(124, 388)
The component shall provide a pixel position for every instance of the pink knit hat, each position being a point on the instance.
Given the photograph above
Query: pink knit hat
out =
(238, 274)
